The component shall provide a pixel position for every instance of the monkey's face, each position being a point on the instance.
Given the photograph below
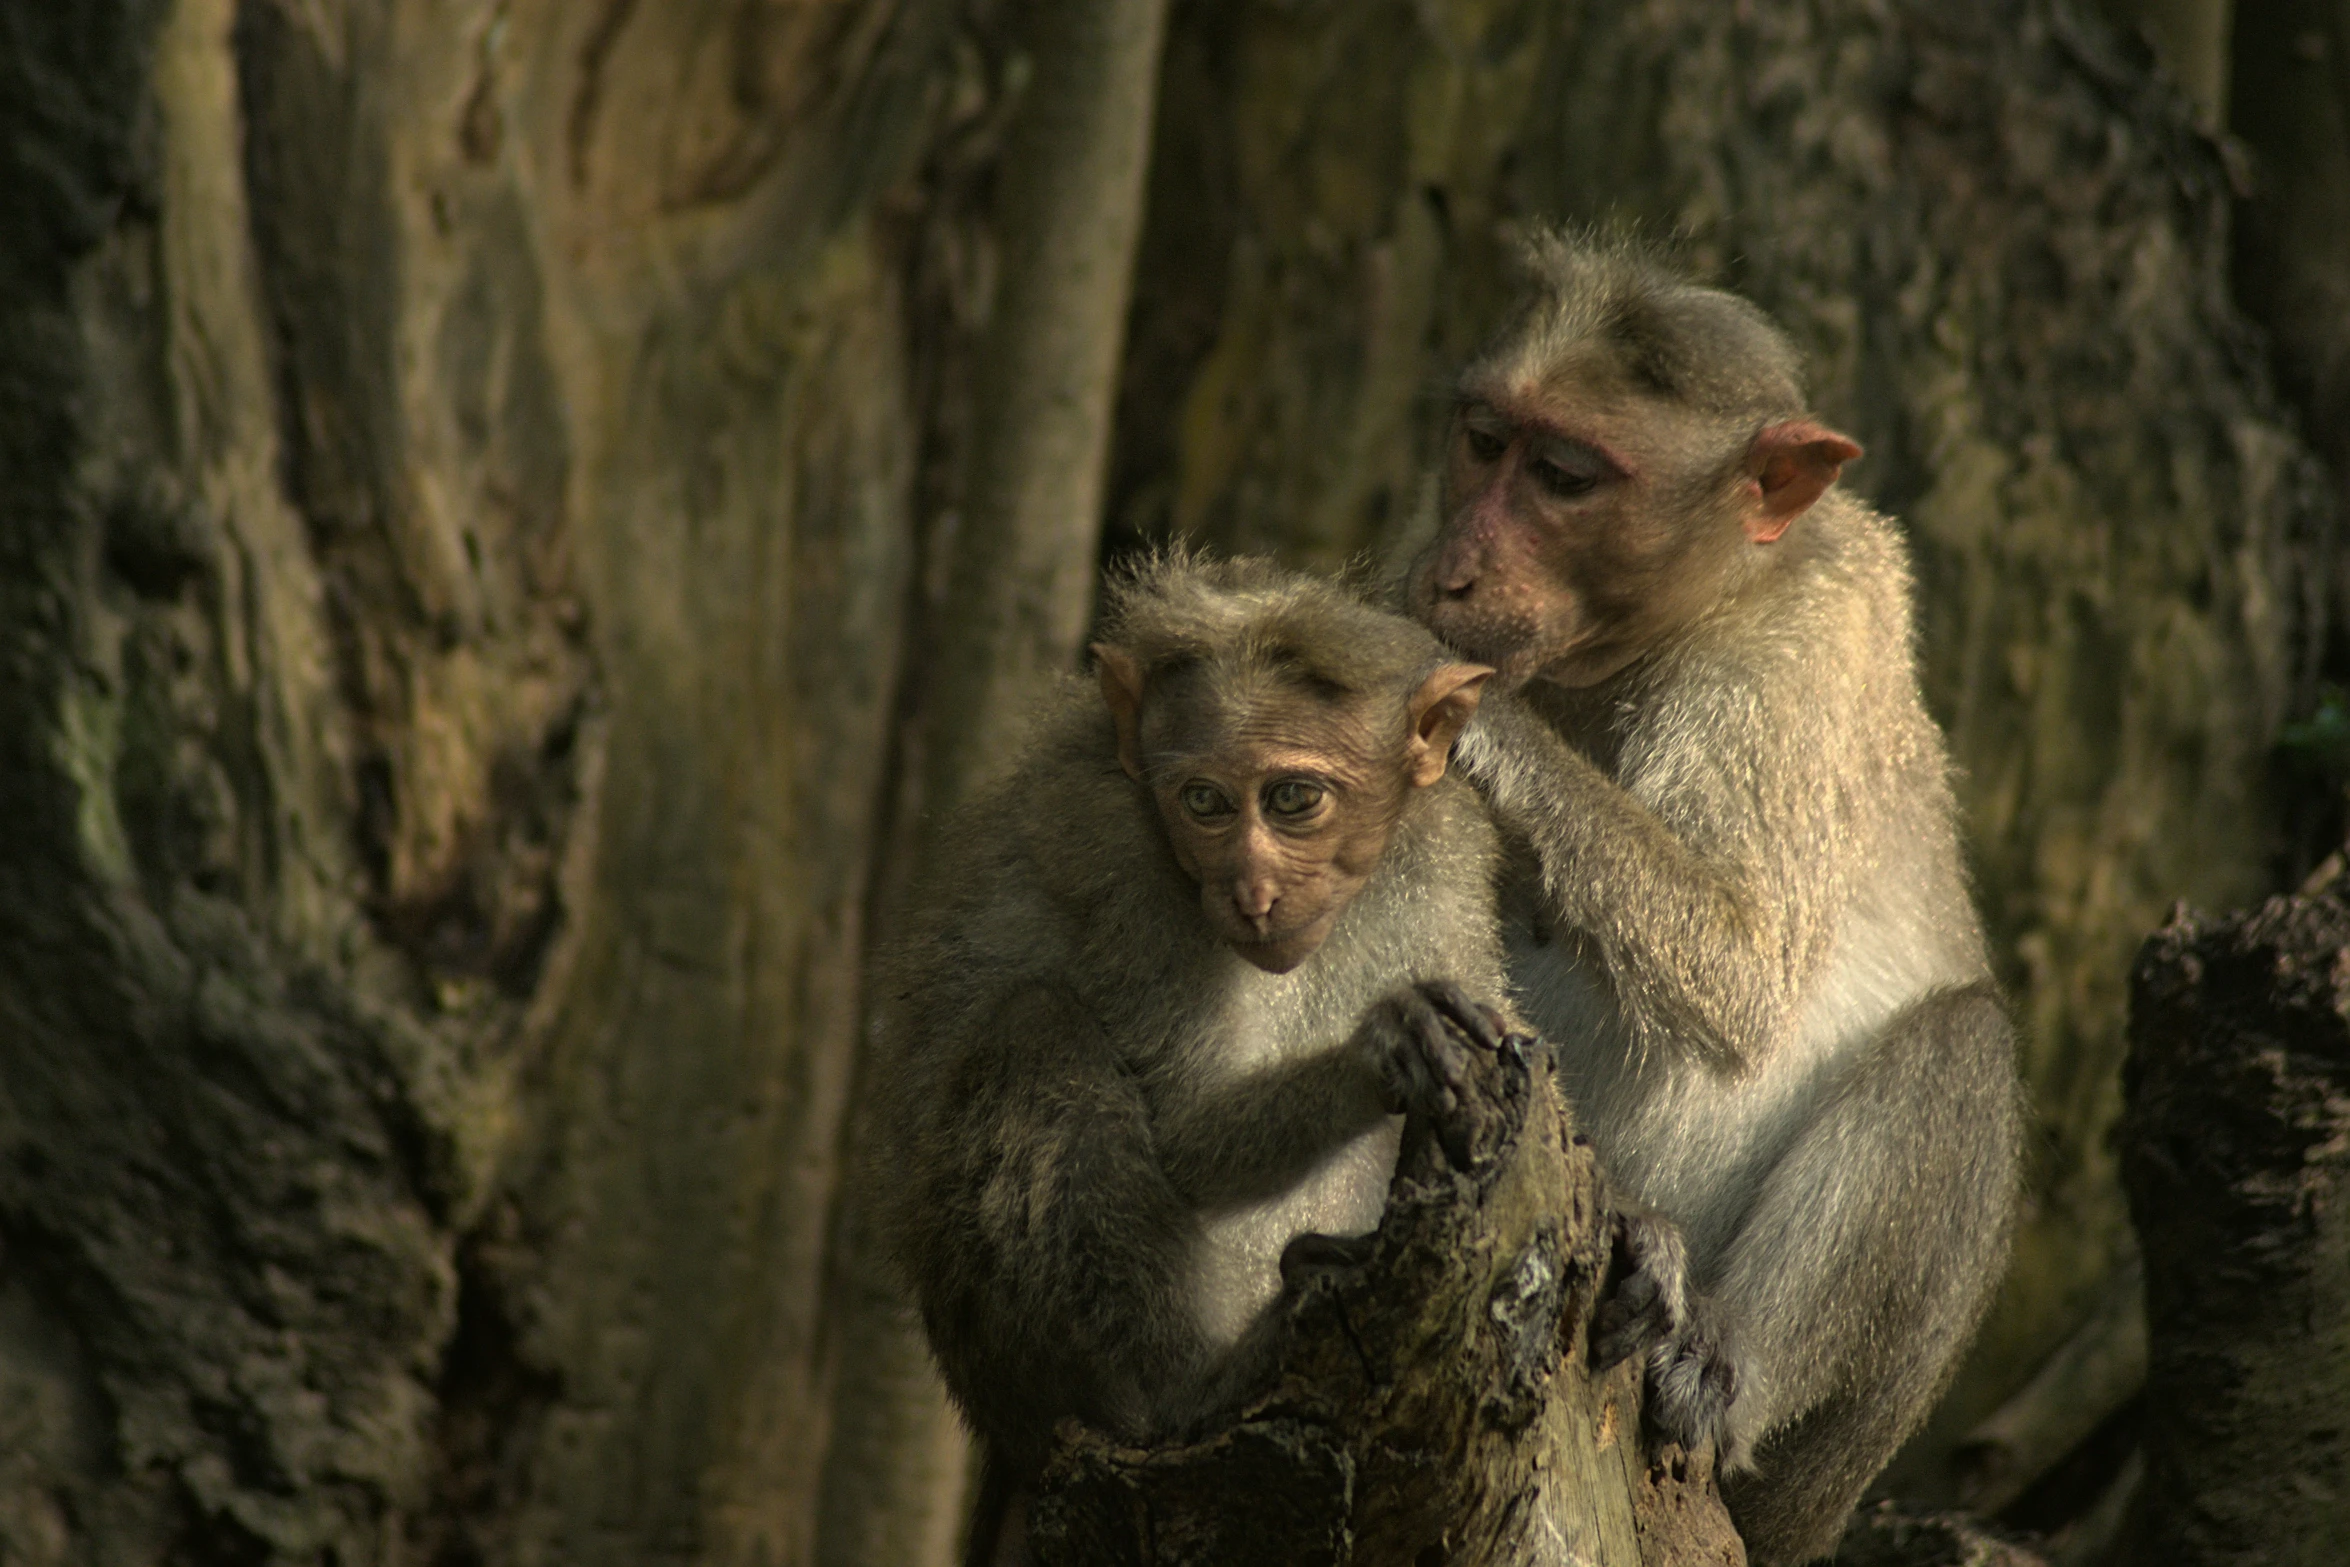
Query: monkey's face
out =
(1573, 536)
(1279, 795)
(1280, 821)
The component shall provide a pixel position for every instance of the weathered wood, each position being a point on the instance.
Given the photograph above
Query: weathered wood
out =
(2236, 1156)
(1434, 1404)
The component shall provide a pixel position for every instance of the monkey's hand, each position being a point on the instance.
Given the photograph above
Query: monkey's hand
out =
(1692, 1379)
(1507, 751)
(1415, 1039)
(1647, 1302)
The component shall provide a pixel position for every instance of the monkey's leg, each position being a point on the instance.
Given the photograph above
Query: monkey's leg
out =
(1862, 1270)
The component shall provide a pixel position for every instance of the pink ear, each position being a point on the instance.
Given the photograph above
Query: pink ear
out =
(1791, 465)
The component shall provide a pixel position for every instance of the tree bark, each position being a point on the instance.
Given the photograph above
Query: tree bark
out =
(2292, 251)
(460, 463)
(1433, 1403)
(2236, 1153)
(2191, 39)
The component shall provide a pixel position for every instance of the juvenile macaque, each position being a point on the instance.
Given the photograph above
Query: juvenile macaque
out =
(1733, 885)
(1158, 1016)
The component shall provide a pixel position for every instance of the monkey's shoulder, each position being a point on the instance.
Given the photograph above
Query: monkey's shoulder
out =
(1057, 873)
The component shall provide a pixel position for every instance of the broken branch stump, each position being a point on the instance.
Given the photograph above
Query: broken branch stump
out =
(1434, 1405)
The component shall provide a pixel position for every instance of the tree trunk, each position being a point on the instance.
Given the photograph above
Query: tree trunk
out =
(2236, 1151)
(460, 462)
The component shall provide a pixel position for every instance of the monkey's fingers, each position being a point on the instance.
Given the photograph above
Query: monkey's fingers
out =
(1692, 1384)
(1451, 1085)
(1393, 1037)
(1481, 1024)
(1632, 1320)
(1434, 1026)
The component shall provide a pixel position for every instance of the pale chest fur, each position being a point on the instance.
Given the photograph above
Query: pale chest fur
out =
(1236, 1255)
(1658, 1123)
(1429, 915)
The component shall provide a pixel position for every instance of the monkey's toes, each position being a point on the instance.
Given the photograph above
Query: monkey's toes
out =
(1634, 1318)
(1691, 1384)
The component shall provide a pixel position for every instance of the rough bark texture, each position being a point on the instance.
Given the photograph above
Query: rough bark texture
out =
(2236, 1153)
(2003, 244)
(459, 463)
(1433, 1404)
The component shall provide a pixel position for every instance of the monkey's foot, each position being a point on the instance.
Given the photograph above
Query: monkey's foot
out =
(1692, 1382)
(1647, 1302)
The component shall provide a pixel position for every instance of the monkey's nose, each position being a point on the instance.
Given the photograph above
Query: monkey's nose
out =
(1255, 902)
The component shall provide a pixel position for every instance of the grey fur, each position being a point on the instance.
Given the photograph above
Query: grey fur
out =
(1098, 1127)
(1737, 906)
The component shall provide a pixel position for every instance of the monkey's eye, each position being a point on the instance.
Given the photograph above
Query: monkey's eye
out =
(1484, 445)
(1204, 801)
(1293, 797)
(1569, 468)
(1564, 482)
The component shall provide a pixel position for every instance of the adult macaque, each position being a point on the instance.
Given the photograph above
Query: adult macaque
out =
(1734, 892)
(1157, 1017)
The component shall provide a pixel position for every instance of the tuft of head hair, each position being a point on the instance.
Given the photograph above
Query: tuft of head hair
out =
(1673, 336)
(1249, 620)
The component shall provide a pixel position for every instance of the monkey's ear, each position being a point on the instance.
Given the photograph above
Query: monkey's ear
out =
(1122, 695)
(1788, 467)
(1440, 710)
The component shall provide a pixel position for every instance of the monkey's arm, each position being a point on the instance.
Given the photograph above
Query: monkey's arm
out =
(1049, 1249)
(1244, 1139)
(1697, 956)
(1249, 1138)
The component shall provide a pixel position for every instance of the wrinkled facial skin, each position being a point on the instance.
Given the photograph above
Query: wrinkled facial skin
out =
(1555, 555)
(1281, 808)
(1583, 526)
(1280, 827)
